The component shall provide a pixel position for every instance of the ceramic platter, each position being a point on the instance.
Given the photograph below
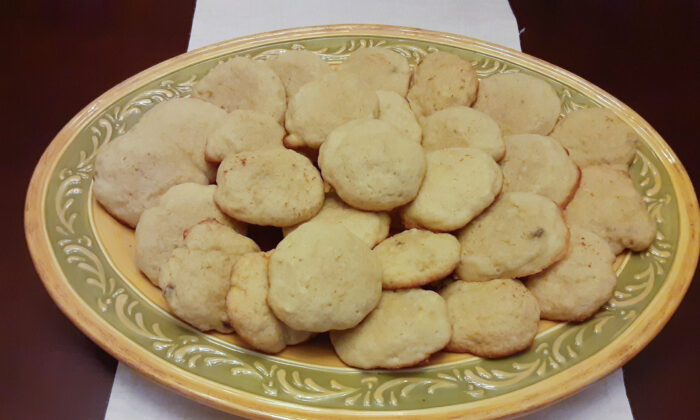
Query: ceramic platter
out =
(85, 259)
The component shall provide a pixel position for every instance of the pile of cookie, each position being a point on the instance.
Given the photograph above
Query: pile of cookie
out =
(422, 209)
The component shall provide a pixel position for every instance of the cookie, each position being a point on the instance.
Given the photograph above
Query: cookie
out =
(595, 136)
(459, 184)
(295, 68)
(371, 227)
(243, 130)
(132, 172)
(519, 103)
(381, 68)
(246, 306)
(539, 164)
(416, 257)
(404, 330)
(442, 80)
(273, 187)
(371, 165)
(243, 83)
(577, 286)
(322, 277)
(197, 276)
(519, 235)
(491, 319)
(607, 204)
(461, 126)
(394, 109)
(161, 227)
(324, 104)
(185, 122)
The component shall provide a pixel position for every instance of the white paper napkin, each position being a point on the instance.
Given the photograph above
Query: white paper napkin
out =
(133, 396)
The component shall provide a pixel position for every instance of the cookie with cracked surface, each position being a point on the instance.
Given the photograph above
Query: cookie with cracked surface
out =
(519, 235)
(575, 288)
(273, 187)
(416, 257)
(607, 204)
(519, 103)
(491, 319)
(459, 184)
(322, 278)
(404, 330)
(247, 309)
(197, 276)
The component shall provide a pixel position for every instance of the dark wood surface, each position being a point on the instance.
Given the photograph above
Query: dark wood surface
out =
(58, 56)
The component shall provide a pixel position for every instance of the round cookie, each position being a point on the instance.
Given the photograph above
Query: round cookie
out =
(381, 68)
(132, 172)
(595, 136)
(461, 126)
(442, 80)
(197, 276)
(416, 257)
(607, 204)
(575, 288)
(459, 184)
(519, 235)
(246, 306)
(322, 277)
(371, 227)
(295, 68)
(161, 227)
(186, 123)
(491, 319)
(371, 165)
(394, 109)
(519, 103)
(243, 130)
(404, 330)
(326, 103)
(273, 187)
(243, 83)
(539, 164)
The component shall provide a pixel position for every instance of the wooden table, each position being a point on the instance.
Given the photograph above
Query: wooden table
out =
(58, 57)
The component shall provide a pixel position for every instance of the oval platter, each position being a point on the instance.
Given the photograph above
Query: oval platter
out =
(85, 259)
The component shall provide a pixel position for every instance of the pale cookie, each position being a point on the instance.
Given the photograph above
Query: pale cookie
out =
(539, 164)
(519, 235)
(246, 306)
(577, 286)
(442, 80)
(197, 276)
(161, 227)
(296, 68)
(459, 184)
(241, 131)
(394, 109)
(415, 257)
(381, 68)
(244, 83)
(324, 104)
(132, 172)
(607, 204)
(491, 319)
(322, 277)
(404, 330)
(595, 136)
(461, 126)
(185, 123)
(371, 227)
(519, 103)
(371, 165)
(273, 187)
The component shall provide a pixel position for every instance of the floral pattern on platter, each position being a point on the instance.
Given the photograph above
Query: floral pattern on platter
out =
(455, 382)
